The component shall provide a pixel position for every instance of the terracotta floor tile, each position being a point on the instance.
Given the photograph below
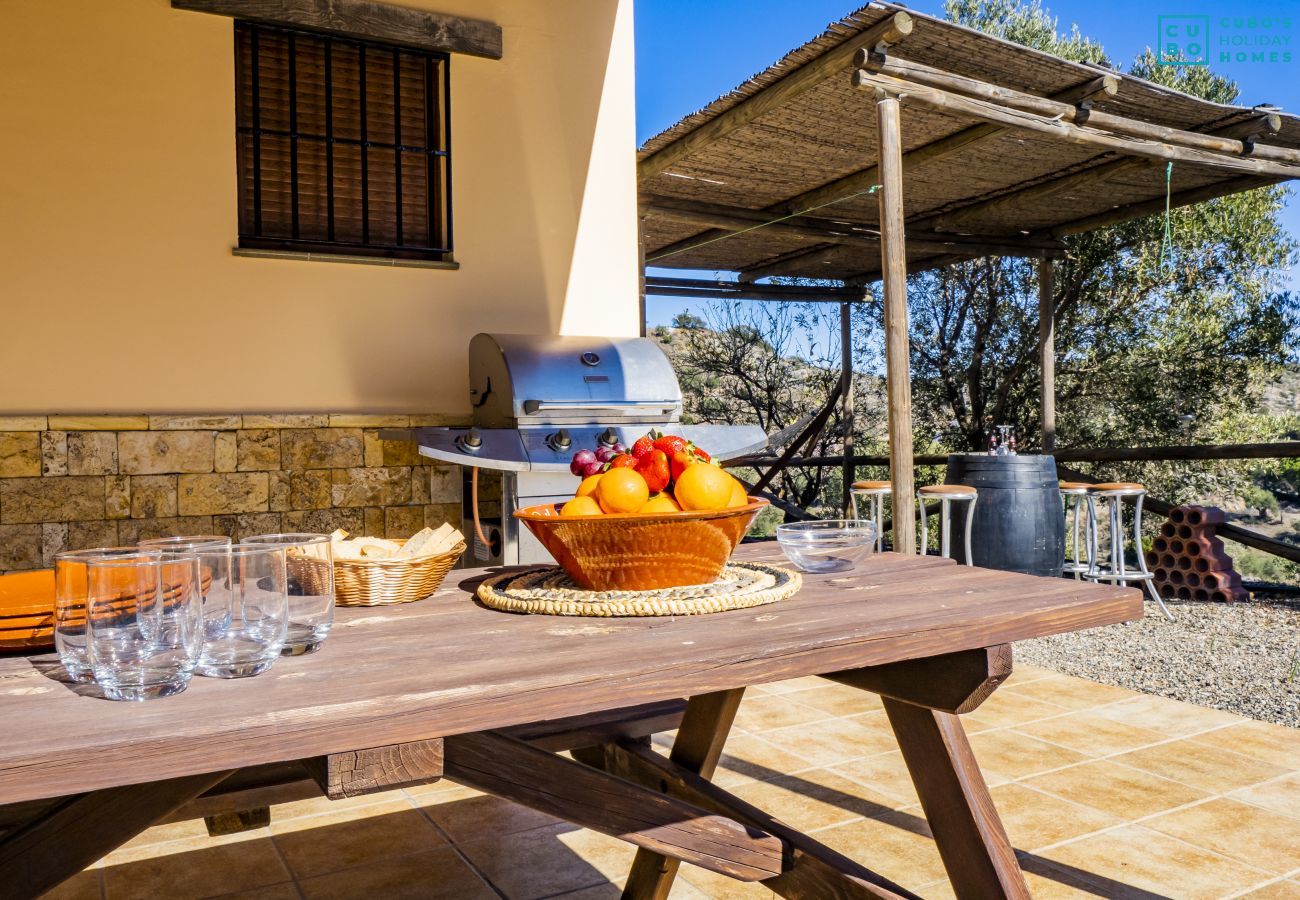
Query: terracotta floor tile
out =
(315, 845)
(1115, 789)
(1200, 765)
(1053, 886)
(884, 772)
(1281, 796)
(1012, 755)
(1173, 718)
(1003, 709)
(836, 740)
(814, 799)
(837, 699)
(1259, 837)
(1068, 691)
(433, 874)
(1278, 890)
(323, 805)
(286, 890)
(196, 868)
(1023, 673)
(748, 758)
(793, 684)
(896, 845)
(533, 864)
(439, 792)
(608, 855)
(1090, 733)
(1263, 740)
(128, 854)
(1132, 859)
(484, 815)
(82, 886)
(1033, 819)
(172, 831)
(764, 713)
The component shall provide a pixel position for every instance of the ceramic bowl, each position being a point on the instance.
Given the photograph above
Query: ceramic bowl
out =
(634, 552)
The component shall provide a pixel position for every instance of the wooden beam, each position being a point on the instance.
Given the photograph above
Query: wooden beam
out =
(814, 871)
(803, 79)
(957, 104)
(898, 387)
(76, 833)
(1103, 87)
(793, 263)
(1157, 205)
(355, 773)
(734, 290)
(917, 73)
(955, 682)
(1047, 355)
(971, 840)
(593, 799)
(846, 398)
(697, 748)
(365, 19)
(602, 727)
(1267, 122)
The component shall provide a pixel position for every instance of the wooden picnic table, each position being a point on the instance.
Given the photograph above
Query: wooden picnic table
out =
(448, 688)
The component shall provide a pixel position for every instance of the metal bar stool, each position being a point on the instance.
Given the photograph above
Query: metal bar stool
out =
(874, 494)
(1112, 495)
(947, 494)
(1074, 498)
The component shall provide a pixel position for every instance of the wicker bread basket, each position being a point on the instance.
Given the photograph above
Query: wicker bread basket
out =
(382, 582)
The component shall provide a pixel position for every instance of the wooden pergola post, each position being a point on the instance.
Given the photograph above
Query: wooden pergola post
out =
(846, 398)
(893, 253)
(1047, 353)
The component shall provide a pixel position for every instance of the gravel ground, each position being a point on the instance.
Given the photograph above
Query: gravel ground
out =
(1239, 657)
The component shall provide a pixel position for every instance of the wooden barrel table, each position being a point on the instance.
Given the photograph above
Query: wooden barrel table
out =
(1019, 525)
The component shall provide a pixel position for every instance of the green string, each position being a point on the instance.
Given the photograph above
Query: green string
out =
(732, 234)
(1166, 251)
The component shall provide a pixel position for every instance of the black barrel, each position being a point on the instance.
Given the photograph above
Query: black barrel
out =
(1019, 525)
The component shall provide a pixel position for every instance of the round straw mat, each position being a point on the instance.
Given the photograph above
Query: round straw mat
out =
(549, 591)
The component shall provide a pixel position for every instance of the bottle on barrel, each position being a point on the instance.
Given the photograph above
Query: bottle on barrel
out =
(1011, 442)
(993, 442)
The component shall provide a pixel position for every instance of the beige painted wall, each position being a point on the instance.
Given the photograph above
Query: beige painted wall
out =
(117, 216)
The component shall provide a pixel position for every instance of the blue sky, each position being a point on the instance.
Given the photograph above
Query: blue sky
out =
(690, 51)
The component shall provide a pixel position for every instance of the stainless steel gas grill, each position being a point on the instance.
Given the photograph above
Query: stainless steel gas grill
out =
(538, 399)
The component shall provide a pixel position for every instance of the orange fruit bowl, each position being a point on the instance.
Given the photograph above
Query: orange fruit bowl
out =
(639, 551)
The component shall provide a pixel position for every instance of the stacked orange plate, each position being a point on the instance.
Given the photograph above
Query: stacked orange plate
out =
(27, 610)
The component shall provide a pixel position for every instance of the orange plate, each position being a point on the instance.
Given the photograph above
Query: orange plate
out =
(634, 552)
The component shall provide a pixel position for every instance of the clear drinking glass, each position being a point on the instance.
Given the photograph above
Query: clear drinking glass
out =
(70, 603)
(209, 547)
(309, 562)
(144, 618)
(185, 542)
(245, 610)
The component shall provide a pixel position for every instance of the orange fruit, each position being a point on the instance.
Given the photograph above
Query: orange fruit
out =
(580, 506)
(588, 485)
(621, 491)
(738, 495)
(660, 503)
(703, 486)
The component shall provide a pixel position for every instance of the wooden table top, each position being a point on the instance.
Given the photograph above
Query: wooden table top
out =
(447, 665)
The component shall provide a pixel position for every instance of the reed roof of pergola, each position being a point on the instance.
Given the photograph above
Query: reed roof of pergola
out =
(1006, 150)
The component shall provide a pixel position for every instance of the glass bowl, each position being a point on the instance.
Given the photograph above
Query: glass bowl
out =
(828, 545)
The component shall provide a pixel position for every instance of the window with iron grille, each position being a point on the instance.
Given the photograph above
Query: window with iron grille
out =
(342, 145)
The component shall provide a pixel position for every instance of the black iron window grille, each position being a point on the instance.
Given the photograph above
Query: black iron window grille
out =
(343, 145)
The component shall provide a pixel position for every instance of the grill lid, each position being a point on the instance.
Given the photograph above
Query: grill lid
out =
(530, 379)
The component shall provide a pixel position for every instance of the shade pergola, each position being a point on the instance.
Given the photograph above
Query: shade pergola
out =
(800, 172)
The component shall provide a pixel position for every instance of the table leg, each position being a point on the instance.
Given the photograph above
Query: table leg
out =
(698, 748)
(80, 830)
(974, 846)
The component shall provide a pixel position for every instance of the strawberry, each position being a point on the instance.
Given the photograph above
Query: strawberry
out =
(680, 461)
(622, 461)
(670, 444)
(700, 454)
(643, 445)
(654, 468)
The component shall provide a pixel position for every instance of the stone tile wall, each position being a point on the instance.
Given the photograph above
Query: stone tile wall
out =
(69, 482)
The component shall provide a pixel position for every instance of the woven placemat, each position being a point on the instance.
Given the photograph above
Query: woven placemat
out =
(550, 592)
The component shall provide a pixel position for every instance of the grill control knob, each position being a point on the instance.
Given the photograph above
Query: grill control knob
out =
(559, 441)
(608, 437)
(470, 441)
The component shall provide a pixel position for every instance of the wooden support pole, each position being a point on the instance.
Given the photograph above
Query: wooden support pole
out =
(893, 254)
(1047, 354)
(846, 397)
(954, 682)
(640, 271)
